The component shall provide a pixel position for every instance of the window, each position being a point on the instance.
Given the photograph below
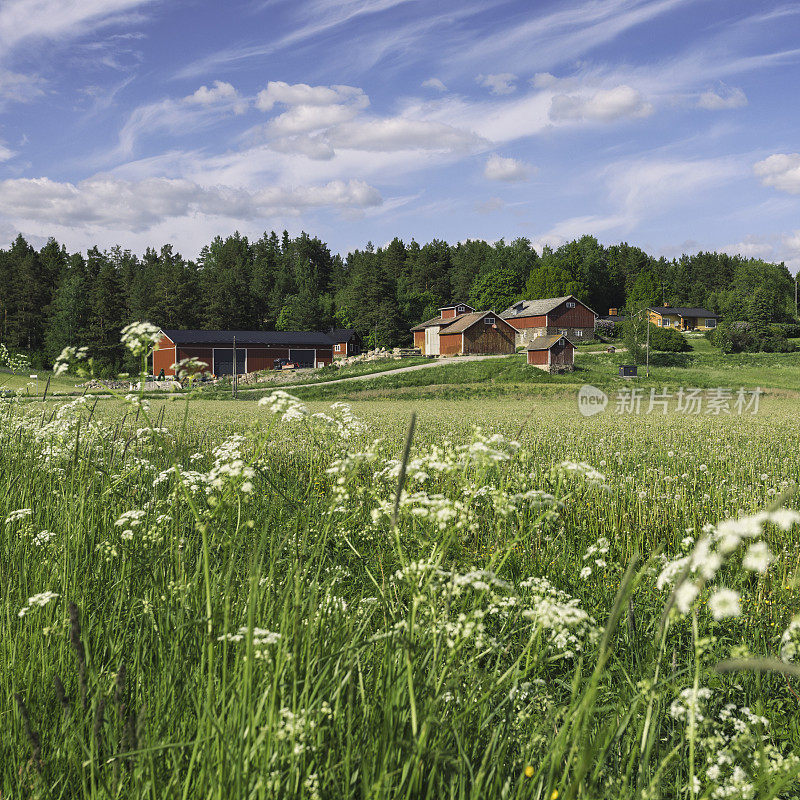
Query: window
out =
(660, 322)
(570, 304)
(489, 320)
(461, 309)
(337, 348)
(579, 333)
(563, 333)
(711, 323)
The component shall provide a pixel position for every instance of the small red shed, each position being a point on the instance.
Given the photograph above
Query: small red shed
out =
(552, 353)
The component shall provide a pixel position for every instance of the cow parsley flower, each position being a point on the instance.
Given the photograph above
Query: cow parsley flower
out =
(140, 337)
(724, 603)
(758, 557)
(37, 601)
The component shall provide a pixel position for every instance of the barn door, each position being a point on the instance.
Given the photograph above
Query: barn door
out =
(223, 361)
(305, 358)
(432, 341)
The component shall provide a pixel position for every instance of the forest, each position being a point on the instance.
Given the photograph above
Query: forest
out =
(51, 298)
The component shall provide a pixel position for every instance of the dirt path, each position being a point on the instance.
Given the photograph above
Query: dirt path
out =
(438, 362)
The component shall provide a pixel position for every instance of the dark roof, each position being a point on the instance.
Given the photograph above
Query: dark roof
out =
(263, 338)
(454, 324)
(342, 334)
(537, 308)
(684, 312)
(546, 342)
(431, 322)
(464, 321)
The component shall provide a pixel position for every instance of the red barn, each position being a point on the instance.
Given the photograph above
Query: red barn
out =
(459, 330)
(255, 350)
(345, 342)
(550, 317)
(552, 353)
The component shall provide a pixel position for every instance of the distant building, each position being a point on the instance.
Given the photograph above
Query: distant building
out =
(552, 353)
(460, 330)
(255, 350)
(552, 316)
(345, 342)
(684, 319)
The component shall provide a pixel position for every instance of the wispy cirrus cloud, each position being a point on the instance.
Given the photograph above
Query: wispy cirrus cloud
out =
(21, 20)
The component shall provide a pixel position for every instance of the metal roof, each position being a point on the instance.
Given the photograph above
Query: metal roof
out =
(684, 312)
(538, 308)
(464, 321)
(546, 342)
(263, 338)
(341, 334)
(431, 322)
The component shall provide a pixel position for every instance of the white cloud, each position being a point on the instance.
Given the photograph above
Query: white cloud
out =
(57, 19)
(18, 88)
(302, 119)
(726, 97)
(604, 105)
(108, 202)
(434, 83)
(401, 133)
(781, 171)
(643, 187)
(499, 83)
(303, 94)
(506, 169)
(220, 92)
(313, 147)
(6, 153)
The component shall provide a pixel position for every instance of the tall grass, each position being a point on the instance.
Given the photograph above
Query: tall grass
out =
(301, 610)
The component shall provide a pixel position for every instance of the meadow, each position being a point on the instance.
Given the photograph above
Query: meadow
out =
(437, 596)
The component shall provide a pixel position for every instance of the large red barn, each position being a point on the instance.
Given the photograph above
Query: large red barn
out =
(551, 316)
(255, 350)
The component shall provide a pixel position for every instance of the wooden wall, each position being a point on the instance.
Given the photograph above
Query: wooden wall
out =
(578, 317)
(449, 344)
(482, 338)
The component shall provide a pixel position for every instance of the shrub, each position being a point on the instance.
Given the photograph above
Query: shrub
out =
(668, 340)
(747, 337)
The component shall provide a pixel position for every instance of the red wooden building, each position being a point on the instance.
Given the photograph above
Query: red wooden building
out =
(460, 330)
(345, 342)
(552, 353)
(550, 317)
(255, 350)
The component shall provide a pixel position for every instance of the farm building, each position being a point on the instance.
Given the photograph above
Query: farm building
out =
(460, 330)
(551, 317)
(345, 342)
(255, 350)
(684, 319)
(552, 353)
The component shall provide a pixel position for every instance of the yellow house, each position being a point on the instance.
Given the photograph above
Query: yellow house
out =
(684, 319)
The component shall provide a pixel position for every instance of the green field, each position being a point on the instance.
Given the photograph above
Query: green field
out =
(247, 606)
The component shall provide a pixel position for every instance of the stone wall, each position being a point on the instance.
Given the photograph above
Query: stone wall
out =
(526, 335)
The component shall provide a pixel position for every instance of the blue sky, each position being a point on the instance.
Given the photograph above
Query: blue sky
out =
(671, 124)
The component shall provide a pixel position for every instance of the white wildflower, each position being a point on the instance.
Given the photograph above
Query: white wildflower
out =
(758, 557)
(724, 603)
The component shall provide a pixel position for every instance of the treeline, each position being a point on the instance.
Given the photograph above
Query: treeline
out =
(50, 298)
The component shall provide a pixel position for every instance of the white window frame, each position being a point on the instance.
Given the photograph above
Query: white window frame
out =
(337, 348)
(578, 332)
(711, 322)
(460, 309)
(488, 320)
(570, 304)
(562, 332)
